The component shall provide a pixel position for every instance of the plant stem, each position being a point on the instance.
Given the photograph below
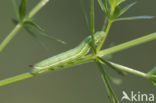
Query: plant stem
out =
(92, 25)
(104, 24)
(91, 57)
(15, 79)
(108, 26)
(106, 32)
(128, 44)
(10, 36)
(20, 25)
(127, 69)
(37, 8)
(107, 84)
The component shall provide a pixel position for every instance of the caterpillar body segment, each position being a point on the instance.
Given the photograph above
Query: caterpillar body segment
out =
(67, 57)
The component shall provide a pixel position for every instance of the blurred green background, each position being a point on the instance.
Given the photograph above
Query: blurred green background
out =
(80, 84)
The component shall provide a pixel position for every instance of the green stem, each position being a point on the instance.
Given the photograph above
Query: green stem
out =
(127, 45)
(108, 26)
(10, 36)
(15, 79)
(107, 84)
(127, 69)
(37, 8)
(90, 58)
(20, 25)
(104, 24)
(106, 32)
(30, 75)
(92, 25)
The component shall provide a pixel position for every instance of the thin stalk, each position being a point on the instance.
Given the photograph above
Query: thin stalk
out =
(15, 79)
(20, 25)
(123, 73)
(127, 45)
(37, 8)
(108, 26)
(85, 15)
(104, 38)
(91, 57)
(106, 6)
(104, 24)
(122, 68)
(107, 84)
(92, 24)
(129, 70)
(10, 36)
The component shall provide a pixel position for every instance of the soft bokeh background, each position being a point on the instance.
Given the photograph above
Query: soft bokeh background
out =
(81, 84)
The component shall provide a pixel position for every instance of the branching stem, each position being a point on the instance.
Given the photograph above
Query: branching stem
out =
(20, 25)
(10, 36)
(91, 58)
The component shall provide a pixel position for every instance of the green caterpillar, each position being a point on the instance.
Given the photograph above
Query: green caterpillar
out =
(68, 56)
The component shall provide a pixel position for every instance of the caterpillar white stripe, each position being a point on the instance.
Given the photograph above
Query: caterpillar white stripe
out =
(68, 56)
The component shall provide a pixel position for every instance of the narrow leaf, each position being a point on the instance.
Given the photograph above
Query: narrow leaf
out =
(113, 67)
(127, 8)
(34, 25)
(102, 6)
(108, 86)
(34, 35)
(22, 9)
(51, 37)
(15, 8)
(85, 16)
(43, 34)
(134, 18)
